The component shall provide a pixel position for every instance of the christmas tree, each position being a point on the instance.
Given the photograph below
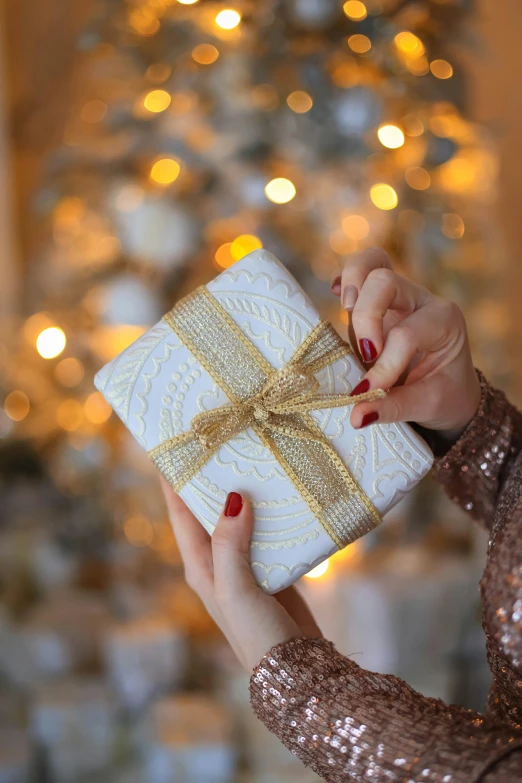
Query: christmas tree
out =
(197, 133)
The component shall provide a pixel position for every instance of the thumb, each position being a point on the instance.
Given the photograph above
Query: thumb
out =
(231, 547)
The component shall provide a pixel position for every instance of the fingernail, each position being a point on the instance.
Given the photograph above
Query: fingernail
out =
(369, 418)
(349, 297)
(361, 387)
(368, 350)
(233, 504)
(336, 283)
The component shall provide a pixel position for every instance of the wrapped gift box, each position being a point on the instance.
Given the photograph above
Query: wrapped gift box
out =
(223, 345)
(190, 740)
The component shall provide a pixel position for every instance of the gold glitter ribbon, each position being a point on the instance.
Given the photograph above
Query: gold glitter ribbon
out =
(276, 405)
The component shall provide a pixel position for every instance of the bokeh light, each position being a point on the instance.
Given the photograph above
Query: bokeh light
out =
(51, 342)
(138, 530)
(452, 226)
(158, 72)
(224, 257)
(356, 227)
(157, 101)
(413, 125)
(318, 571)
(94, 111)
(69, 415)
(390, 136)
(359, 43)
(441, 69)
(69, 372)
(417, 178)
(205, 54)
(244, 245)
(16, 405)
(384, 196)
(280, 190)
(187, 2)
(165, 171)
(228, 19)
(300, 102)
(409, 44)
(97, 409)
(355, 10)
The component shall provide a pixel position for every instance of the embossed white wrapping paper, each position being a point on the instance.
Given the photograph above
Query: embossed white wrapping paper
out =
(157, 387)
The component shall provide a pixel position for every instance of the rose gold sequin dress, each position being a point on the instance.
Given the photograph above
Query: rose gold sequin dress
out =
(349, 724)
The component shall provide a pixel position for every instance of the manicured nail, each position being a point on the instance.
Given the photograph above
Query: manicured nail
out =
(361, 387)
(233, 504)
(369, 418)
(336, 284)
(349, 297)
(368, 350)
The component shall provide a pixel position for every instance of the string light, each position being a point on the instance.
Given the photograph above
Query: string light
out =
(244, 245)
(384, 196)
(409, 44)
(97, 409)
(51, 342)
(390, 136)
(205, 54)
(452, 226)
(356, 227)
(165, 171)
(355, 10)
(359, 43)
(69, 372)
(300, 102)
(319, 570)
(157, 101)
(441, 69)
(16, 405)
(280, 190)
(228, 19)
(417, 178)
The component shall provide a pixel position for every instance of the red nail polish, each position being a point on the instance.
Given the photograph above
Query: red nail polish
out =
(368, 350)
(361, 387)
(369, 418)
(233, 504)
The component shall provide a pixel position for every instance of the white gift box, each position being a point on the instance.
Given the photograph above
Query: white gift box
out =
(157, 386)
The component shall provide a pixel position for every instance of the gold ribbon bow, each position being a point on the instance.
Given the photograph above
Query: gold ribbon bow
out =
(276, 404)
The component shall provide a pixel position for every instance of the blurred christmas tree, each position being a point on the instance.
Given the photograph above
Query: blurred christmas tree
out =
(199, 132)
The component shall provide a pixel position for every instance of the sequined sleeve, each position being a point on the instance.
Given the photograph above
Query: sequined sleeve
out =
(475, 469)
(350, 724)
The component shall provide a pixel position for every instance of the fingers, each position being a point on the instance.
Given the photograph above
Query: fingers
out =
(193, 542)
(419, 402)
(355, 272)
(383, 290)
(294, 603)
(231, 548)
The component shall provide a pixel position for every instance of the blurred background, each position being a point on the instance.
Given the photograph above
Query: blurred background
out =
(145, 145)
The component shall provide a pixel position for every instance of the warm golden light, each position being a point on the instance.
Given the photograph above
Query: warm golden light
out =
(417, 178)
(413, 125)
(244, 245)
(355, 10)
(224, 257)
(390, 136)
(384, 196)
(280, 190)
(409, 44)
(205, 54)
(35, 324)
(356, 227)
(69, 372)
(16, 405)
(441, 69)
(165, 171)
(228, 19)
(94, 111)
(187, 2)
(342, 244)
(69, 415)
(300, 102)
(452, 226)
(144, 21)
(138, 530)
(51, 342)
(158, 72)
(157, 101)
(97, 409)
(318, 571)
(418, 66)
(359, 43)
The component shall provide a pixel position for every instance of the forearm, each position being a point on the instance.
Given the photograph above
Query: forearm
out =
(344, 721)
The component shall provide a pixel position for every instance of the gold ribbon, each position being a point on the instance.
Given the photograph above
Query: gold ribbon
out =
(276, 404)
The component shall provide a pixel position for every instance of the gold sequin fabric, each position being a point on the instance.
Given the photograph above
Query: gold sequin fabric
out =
(349, 724)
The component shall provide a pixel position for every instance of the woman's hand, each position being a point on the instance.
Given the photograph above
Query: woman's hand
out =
(416, 340)
(218, 569)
